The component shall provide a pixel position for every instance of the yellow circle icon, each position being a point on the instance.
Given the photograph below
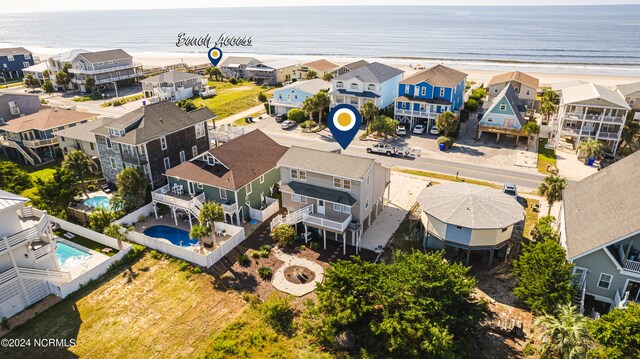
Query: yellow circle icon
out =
(344, 119)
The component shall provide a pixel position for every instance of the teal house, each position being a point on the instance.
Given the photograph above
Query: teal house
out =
(504, 116)
(241, 175)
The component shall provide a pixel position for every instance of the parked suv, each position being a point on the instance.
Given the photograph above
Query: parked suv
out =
(281, 118)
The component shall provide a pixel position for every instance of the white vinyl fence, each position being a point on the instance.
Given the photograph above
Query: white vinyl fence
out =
(132, 217)
(86, 232)
(262, 215)
(187, 254)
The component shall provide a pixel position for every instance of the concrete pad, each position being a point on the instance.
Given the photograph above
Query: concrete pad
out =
(281, 283)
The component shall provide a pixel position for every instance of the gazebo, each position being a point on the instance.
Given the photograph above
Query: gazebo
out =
(468, 217)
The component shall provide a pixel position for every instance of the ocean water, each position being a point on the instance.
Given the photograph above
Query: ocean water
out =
(588, 36)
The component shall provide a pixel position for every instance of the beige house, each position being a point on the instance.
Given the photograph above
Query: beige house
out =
(81, 138)
(335, 195)
(631, 94)
(321, 68)
(525, 86)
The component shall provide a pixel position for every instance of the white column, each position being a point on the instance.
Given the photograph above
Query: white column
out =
(305, 234)
(344, 243)
(155, 210)
(324, 235)
(175, 217)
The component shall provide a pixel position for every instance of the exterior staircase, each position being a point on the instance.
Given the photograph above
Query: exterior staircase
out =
(196, 204)
(44, 274)
(291, 218)
(32, 158)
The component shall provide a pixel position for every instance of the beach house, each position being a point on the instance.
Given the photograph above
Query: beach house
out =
(172, 86)
(600, 231)
(241, 175)
(110, 69)
(235, 66)
(53, 65)
(13, 60)
(81, 138)
(320, 67)
(349, 67)
(426, 94)
(504, 116)
(591, 111)
(631, 93)
(525, 86)
(333, 195)
(31, 139)
(292, 96)
(14, 105)
(153, 139)
(376, 82)
(272, 72)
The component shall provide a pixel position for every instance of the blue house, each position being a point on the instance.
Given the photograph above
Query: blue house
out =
(13, 60)
(428, 93)
(292, 96)
(504, 116)
(375, 82)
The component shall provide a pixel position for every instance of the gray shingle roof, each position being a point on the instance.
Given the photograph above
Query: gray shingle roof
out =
(14, 51)
(313, 191)
(438, 75)
(329, 163)
(470, 206)
(512, 98)
(603, 207)
(374, 72)
(238, 60)
(106, 55)
(82, 132)
(172, 77)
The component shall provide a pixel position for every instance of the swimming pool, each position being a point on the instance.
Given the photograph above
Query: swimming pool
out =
(176, 236)
(98, 201)
(69, 257)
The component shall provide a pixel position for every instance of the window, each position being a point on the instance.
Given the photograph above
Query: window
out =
(339, 84)
(407, 88)
(167, 164)
(199, 185)
(262, 179)
(495, 89)
(223, 193)
(163, 143)
(528, 92)
(109, 145)
(503, 107)
(211, 161)
(346, 209)
(93, 148)
(337, 207)
(337, 182)
(459, 227)
(200, 130)
(424, 91)
(605, 280)
(295, 197)
(194, 151)
(516, 90)
(10, 57)
(182, 157)
(114, 165)
(442, 92)
(27, 56)
(368, 177)
(26, 64)
(366, 204)
(248, 188)
(294, 174)
(302, 175)
(346, 184)
(353, 86)
(303, 199)
(371, 87)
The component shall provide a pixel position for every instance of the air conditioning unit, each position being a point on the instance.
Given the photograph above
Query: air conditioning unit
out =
(15, 111)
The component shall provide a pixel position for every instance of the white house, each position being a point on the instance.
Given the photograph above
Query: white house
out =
(374, 82)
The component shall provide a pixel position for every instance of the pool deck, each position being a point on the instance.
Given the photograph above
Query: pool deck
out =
(94, 261)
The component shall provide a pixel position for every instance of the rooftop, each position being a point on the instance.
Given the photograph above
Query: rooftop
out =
(603, 207)
(47, 119)
(14, 51)
(106, 55)
(8, 199)
(470, 206)
(373, 73)
(628, 89)
(238, 60)
(329, 163)
(591, 91)
(516, 76)
(512, 98)
(308, 86)
(172, 77)
(438, 75)
(282, 63)
(321, 65)
(68, 56)
(82, 132)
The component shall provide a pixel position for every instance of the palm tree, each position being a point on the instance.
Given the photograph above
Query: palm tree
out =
(116, 231)
(321, 101)
(565, 334)
(46, 74)
(549, 95)
(210, 71)
(591, 147)
(630, 132)
(210, 213)
(311, 75)
(198, 232)
(552, 188)
(448, 122)
(89, 84)
(309, 107)
(79, 163)
(369, 111)
(548, 108)
(531, 128)
(328, 76)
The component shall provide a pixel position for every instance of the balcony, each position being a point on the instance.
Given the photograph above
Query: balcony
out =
(166, 195)
(412, 113)
(102, 71)
(592, 117)
(283, 103)
(133, 158)
(632, 266)
(33, 230)
(40, 143)
(229, 207)
(326, 222)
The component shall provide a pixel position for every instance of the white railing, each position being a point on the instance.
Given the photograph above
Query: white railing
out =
(230, 208)
(11, 143)
(633, 266)
(608, 135)
(583, 294)
(25, 235)
(226, 133)
(294, 217)
(271, 208)
(284, 103)
(102, 71)
(8, 275)
(44, 250)
(44, 274)
(40, 143)
(425, 114)
(116, 78)
(318, 220)
(160, 196)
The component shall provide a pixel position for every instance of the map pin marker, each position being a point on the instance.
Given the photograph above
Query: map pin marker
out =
(344, 123)
(215, 55)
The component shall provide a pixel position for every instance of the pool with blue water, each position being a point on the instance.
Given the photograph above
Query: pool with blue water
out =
(69, 257)
(98, 201)
(176, 236)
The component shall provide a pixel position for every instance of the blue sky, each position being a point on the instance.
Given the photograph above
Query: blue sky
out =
(62, 5)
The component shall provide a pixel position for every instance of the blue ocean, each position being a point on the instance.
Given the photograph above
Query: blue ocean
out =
(590, 36)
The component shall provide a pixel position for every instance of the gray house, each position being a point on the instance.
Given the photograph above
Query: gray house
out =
(172, 85)
(81, 138)
(234, 66)
(331, 192)
(110, 69)
(600, 230)
(13, 105)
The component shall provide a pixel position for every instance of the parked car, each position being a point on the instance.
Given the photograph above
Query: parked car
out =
(287, 124)
(382, 148)
(434, 130)
(419, 129)
(281, 118)
(401, 130)
(510, 189)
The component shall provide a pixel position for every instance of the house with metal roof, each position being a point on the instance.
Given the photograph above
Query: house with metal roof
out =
(235, 66)
(590, 111)
(153, 139)
(13, 60)
(631, 93)
(320, 67)
(53, 65)
(272, 72)
(293, 95)
(172, 86)
(14, 105)
(375, 82)
(504, 116)
(241, 175)
(333, 195)
(524, 85)
(468, 217)
(428, 93)
(600, 230)
(110, 69)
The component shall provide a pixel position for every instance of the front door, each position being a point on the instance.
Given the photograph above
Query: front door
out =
(191, 187)
(320, 207)
(633, 288)
(508, 122)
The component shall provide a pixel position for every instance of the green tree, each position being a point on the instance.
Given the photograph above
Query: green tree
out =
(547, 109)
(46, 74)
(384, 126)
(278, 312)
(132, 187)
(213, 72)
(100, 218)
(117, 205)
(89, 84)
(327, 77)
(62, 78)
(56, 193)
(80, 164)
(543, 230)
(284, 236)
(565, 334)
(630, 133)
(321, 101)
(591, 148)
(311, 75)
(417, 306)
(447, 141)
(309, 107)
(262, 97)
(47, 86)
(297, 115)
(199, 232)
(478, 94)
(116, 231)
(31, 82)
(548, 95)
(186, 105)
(544, 276)
(448, 123)
(551, 188)
(471, 105)
(618, 332)
(369, 111)
(210, 213)
(531, 128)
(14, 179)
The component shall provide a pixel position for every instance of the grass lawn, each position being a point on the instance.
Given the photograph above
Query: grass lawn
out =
(152, 309)
(242, 122)
(86, 242)
(231, 99)
(448, 177)
(531, 212)
(123, 100)
(43, 172)
(545, 156)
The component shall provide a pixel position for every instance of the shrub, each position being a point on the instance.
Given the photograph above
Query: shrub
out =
(478, 94)
(12, 178)
(308, 124)
(183, 266)
(278, 313)
(265, 273)
(471, 105)
(255, 254)
(262, 97)
(233, 81)
(155, 254)
(243, 260)
(314, 246)
(265, 248)
(284, 236)
(296, 115)
(448, 141)
(5, 322)
(195, 270)
(142, 218)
